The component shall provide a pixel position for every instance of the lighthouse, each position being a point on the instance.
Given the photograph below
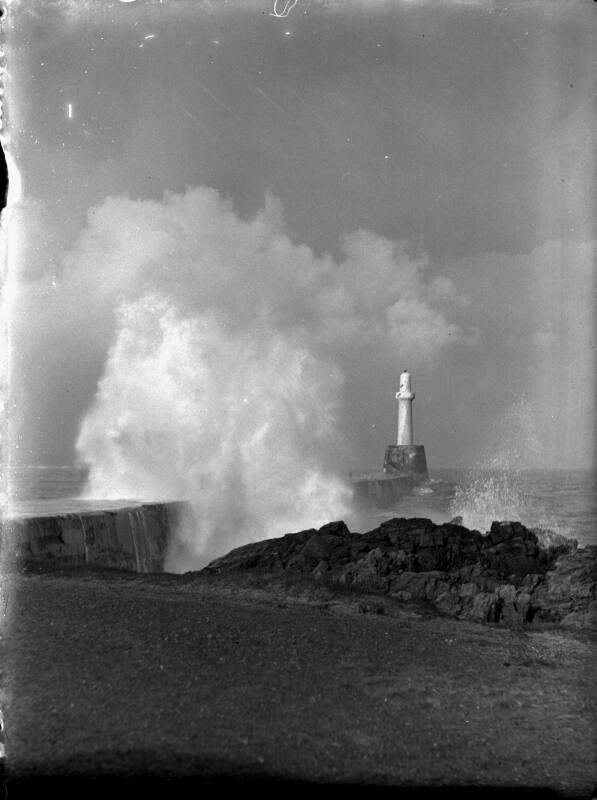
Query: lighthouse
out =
(405, 398)
(405, 464)
(405, 457)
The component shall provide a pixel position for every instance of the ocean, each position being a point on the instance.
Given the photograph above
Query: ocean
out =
(563, 501)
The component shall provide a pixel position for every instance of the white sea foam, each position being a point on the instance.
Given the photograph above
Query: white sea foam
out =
(242, 427)
(493, 490)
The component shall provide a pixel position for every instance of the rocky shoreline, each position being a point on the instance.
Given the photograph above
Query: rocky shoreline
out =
(512, 575)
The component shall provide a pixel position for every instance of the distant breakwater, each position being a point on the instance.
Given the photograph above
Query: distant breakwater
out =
(512, 575)
(134, 538)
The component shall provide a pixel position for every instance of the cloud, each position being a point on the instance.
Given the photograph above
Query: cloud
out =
(532, 318)
(194, 249)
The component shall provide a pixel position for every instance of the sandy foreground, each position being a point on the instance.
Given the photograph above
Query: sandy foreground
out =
(188, 680)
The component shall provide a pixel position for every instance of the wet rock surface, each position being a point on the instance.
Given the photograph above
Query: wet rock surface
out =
(511, 575)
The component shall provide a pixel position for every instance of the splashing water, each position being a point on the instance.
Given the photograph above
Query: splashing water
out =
(488, 497)
(493, 490)
(242, 426)
(230, 356)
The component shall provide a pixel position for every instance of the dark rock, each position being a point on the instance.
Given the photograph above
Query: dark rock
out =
(369, 573)
(448, 602)
(550, 539)
(495, 609)
(358, 548)
(469, 589)
(339, 528)
(294, 538)
(523, 606)
(317, 548)
(512, 576)
(417, 585)
(585, 618)
(321, 569)
(531, 581)
(517, 564)
(432, 558)
(479, 609)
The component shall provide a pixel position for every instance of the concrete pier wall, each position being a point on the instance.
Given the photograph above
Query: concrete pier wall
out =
(405, 466)
(380, 489)
(134, 538)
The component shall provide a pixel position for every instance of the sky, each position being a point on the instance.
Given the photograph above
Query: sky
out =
(238, 226)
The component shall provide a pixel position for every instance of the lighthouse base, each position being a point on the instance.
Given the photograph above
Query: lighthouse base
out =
(406, 459)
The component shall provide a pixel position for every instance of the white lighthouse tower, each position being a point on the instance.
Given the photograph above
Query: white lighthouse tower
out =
(405, 457)
(405, 397)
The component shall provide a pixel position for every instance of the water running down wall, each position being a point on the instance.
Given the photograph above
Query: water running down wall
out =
(134, 538)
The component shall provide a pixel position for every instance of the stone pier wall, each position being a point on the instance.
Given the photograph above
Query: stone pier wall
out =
(381, 489)
(133, 538)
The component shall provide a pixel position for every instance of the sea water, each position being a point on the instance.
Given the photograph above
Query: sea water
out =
(563, 501)
(41, 491)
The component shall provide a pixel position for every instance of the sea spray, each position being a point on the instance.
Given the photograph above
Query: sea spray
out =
(239, 363)
(492, 490)
(242, 426)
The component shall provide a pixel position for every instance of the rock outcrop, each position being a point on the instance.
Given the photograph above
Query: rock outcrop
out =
(510, 575)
